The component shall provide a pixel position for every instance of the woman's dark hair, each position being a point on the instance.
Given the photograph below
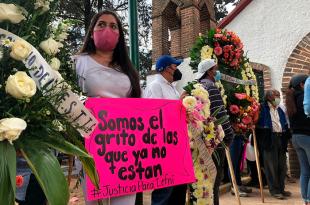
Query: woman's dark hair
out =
(294, 86)
(120, 54)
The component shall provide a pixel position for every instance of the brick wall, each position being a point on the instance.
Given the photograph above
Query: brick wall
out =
(185, 19)
(298, 62)
(266, 73)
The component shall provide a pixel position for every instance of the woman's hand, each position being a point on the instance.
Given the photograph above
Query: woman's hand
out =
(183, 95)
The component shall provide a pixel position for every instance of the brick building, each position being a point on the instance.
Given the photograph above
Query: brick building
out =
(176, 25)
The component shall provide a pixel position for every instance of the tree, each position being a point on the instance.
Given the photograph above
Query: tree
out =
(220, 7)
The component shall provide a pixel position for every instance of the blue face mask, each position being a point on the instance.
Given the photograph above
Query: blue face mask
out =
(217, 76)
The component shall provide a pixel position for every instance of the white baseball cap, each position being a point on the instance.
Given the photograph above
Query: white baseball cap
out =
(204, 66)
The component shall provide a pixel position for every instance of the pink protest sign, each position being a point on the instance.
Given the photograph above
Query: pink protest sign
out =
(138, 145)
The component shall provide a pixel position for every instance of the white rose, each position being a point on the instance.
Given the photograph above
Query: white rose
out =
(20, 85)
(63, 36)
(50, 46)
(42, 4)
(55, 63)
(10, 12)
(189, 102)
(20, 49)
(11, 128)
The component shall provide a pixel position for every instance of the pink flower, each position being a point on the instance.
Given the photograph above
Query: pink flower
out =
(19, 181)
(199, 106)
(238, 54)
(216, 44)
(218, 35)
(240, 96)
(234, 109)
(227, 48)
(247, 120)
(234, 62)
(226, 55)
(218, 50)
(255, 108)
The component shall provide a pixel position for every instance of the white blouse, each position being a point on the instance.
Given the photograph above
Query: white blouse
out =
(97, 80)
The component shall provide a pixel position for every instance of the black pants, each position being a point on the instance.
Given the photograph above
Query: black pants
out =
(254, 175)
(34, 193)
(275, 166)
(170, 196)
(218, 158)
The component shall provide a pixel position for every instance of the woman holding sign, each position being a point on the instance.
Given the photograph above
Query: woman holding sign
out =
(105, 70)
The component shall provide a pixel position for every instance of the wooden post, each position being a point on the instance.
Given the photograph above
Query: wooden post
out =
(70, 163)
(258, 166)
(232, 174)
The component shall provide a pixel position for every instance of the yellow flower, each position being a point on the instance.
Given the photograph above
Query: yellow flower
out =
(206, 52)
(247, 90)
(201, 93)
(202, 201)
(6, 42)
(206, 110)
(198, 193)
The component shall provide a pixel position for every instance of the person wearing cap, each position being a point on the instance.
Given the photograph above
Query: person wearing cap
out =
(162, 88)
(207, 75)
(300, 125)
(167, 73)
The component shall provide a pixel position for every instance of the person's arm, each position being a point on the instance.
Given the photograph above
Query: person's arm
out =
(307, 97)
(216, 103)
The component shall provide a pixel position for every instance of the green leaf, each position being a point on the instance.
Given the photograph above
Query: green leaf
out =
(217, 111)
(88, 163)
(221, 120)
(7, 173)
(90, 169)
(46, 168)
(65, 147)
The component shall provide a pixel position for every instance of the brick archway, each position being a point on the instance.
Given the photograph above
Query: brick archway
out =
(266, 72)
(177, 23)
(298, 62)
(263, 76)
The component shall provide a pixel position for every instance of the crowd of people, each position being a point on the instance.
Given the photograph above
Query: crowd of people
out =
(105, 70)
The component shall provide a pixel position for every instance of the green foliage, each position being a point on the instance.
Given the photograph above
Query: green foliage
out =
(46, 128)
(7, 173)
(46, 168)
(220, 7)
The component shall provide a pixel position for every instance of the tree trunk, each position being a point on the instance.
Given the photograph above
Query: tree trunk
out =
(87, 13)
(100, 3)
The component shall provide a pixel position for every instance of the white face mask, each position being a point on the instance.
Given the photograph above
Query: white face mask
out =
(277, 101)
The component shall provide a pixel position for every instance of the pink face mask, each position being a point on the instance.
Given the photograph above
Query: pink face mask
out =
(105, 39)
